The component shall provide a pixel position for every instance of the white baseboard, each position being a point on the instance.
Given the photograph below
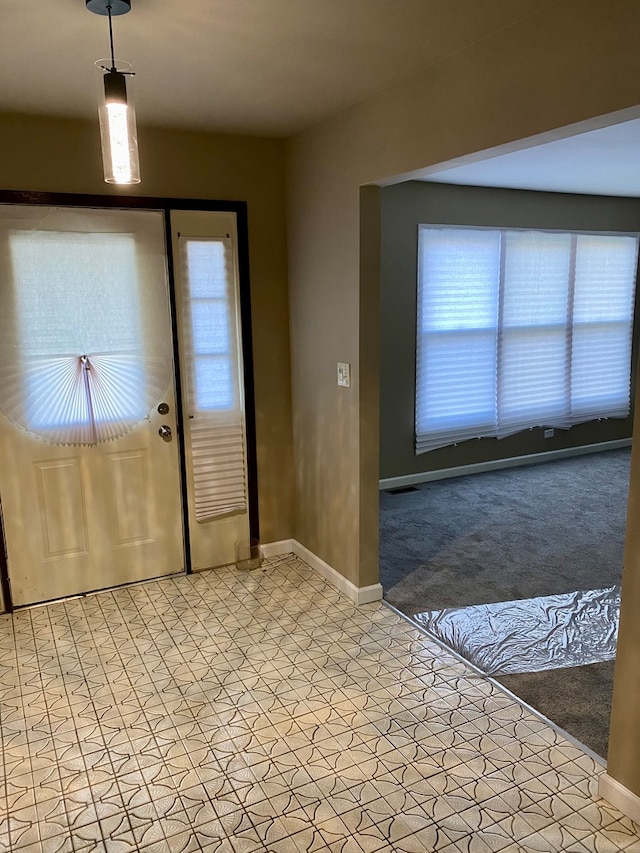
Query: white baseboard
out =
(497, 464)
(277, 549)
(359, 595)
(620, 797)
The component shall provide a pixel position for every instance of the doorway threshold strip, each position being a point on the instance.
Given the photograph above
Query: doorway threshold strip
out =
(533, 634)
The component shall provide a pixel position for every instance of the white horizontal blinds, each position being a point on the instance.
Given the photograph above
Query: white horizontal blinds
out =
(540, 320)
(459, 272)
(80, 362)
(534, 363)
(211, 346)
(603, 324)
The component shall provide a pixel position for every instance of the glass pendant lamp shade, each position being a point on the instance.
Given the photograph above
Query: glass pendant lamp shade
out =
(118, 125)
(117, 116)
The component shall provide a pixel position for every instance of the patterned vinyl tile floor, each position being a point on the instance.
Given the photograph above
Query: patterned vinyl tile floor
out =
(230, 711)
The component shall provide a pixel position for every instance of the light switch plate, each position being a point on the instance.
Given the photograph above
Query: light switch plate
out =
(344, 374)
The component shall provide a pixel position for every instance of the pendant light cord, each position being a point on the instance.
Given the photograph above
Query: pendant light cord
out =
(113, 58)
(113, 61)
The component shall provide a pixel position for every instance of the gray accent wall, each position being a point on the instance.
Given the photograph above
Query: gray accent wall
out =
(403, 208)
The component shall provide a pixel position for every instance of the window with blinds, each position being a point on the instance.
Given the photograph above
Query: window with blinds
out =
(62, 276)
(216, 451)
(84, 354)
(518, 329)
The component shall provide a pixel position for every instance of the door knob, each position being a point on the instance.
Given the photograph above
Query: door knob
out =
(165, 432)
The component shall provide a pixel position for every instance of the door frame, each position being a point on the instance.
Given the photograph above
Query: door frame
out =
(166, 205)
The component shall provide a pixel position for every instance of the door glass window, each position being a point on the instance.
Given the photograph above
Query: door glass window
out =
(77, 306)
(81, 362)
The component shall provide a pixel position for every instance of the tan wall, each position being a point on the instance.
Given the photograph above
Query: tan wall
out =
(64, 156)
(568, 63)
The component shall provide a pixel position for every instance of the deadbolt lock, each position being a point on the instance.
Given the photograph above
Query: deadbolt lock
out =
(163, 409)
(165, 432)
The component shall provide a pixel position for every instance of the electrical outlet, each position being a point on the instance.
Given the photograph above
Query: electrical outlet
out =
(549, 433)
(344, 374)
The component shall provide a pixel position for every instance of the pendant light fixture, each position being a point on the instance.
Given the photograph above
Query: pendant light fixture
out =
(117, 116)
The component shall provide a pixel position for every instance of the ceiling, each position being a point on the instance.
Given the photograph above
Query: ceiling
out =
(263, 67)
(276, 67)
(605, 161)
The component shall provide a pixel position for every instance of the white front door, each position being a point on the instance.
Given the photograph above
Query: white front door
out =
(89, 464)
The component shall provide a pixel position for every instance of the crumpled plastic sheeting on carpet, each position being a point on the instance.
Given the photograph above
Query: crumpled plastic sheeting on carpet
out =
(534, 634)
